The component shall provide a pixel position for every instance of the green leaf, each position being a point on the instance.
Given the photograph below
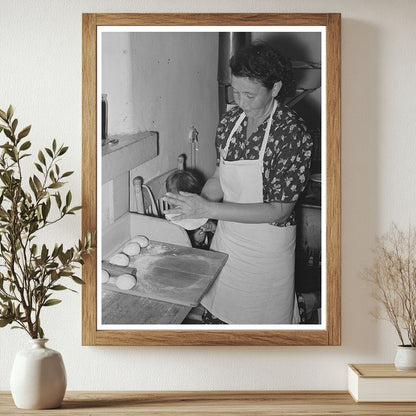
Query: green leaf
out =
(62, 257)
(24, 132)
(51, 302)
(63, 150)
(45, 211)
(56, 185)
(49, 152)
(14, 125)
(54, 145)
(4, 298)
(44, 253)
(3, 115)
(39, 167)
(54, 276)
(41, 157)
(10, 112)
(77, 208)
(40, 331)
(37, 182)
(68, 199)
(59, 287)
(78, 280)
(5, 145)
(5, 321)
(25, 145)
(67, 174)
(55, 251)
(8, 133)
(58, 199)
(34, 226)
(33, 187)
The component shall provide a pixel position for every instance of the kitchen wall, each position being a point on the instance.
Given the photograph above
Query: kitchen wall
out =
(41, 75)
(163, 82)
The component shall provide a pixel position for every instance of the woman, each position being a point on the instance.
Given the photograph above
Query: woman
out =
(263, 161)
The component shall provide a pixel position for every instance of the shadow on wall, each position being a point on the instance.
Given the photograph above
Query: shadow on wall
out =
(360, 178)
(304, 50)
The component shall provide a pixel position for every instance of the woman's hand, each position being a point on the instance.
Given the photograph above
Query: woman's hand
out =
(186, 205)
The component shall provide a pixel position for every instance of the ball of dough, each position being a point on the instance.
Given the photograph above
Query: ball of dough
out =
(105, 276)
(187, 223)
(131, 249)
(142, 240)
(126, 281)
(120, 259)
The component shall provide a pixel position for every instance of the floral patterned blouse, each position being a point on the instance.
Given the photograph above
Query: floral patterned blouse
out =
(287, 157)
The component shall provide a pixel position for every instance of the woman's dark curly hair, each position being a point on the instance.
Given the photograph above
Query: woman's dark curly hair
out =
(261, 62)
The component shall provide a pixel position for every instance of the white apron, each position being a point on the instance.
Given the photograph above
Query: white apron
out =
(256, 285)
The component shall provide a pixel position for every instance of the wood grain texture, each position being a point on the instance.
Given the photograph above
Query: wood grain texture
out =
(380, 371)
(211, 19)
(333, 199)
(332, 334)
(89, 173)
(250, 403)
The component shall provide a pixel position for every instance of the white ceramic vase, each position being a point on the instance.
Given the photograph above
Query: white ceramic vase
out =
(38, 377)
(405, 358)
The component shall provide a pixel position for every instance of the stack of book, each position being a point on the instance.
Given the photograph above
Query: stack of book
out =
(381, 383)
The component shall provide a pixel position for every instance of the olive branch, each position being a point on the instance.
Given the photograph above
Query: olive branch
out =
(31, 274)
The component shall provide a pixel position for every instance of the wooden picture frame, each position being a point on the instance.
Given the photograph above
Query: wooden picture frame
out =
(331, 333)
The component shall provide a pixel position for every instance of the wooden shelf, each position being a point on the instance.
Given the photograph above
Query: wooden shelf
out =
(221, 403)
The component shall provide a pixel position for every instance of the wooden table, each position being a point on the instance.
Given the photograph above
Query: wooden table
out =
(269, 403)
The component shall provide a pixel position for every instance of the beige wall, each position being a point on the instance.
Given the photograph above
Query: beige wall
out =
(41, 43)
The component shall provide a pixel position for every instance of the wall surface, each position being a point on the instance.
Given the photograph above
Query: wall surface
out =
(168, 89)
(40, 74)
(153, 83)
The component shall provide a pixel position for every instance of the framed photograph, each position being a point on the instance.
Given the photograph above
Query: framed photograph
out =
(231, 116)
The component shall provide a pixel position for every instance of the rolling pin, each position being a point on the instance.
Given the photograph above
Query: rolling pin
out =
(138, 193)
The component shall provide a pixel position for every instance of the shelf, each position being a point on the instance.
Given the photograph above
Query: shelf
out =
(125, 152)
(220, 403)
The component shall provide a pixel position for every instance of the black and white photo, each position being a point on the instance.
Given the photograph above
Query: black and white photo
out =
(211, 148)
